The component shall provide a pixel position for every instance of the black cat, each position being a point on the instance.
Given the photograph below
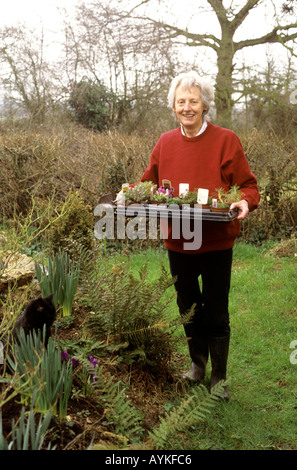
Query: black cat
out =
(39, 312)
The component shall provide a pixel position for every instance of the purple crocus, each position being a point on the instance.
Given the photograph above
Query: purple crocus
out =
(74, 362)
(93, 363)
(64, 355)
(65, 358)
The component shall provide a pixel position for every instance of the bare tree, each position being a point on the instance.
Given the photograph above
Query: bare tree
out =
(128, 56)
(26, 76)
(266, 95)
(230, 19)
(289, 6)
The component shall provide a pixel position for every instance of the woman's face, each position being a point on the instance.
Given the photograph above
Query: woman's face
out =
(188, 107)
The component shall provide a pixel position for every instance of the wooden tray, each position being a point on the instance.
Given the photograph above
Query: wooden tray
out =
(163, 211)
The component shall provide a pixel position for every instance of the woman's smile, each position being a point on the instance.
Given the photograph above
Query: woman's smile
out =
(189, 109)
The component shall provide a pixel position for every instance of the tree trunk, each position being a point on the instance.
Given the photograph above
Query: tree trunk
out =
(223, 96)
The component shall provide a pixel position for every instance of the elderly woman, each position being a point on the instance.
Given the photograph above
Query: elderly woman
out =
(204, 156)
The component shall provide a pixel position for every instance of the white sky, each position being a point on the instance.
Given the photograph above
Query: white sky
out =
(34, 12)
(46, 13)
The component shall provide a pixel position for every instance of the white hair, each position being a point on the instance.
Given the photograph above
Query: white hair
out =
(189, 80)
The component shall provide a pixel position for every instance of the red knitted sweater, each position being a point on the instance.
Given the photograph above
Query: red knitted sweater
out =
(211, 160)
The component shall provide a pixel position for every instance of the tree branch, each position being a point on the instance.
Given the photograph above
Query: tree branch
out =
(243, 13)
(217, 6)
(274, 36)
(197, 39)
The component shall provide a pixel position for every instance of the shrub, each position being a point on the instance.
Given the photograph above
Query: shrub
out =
(115, 176)
(274, 162)
(27, 166)
(92, 104)
(74, 229)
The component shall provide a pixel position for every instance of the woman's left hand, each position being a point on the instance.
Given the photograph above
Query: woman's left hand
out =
(243, 208)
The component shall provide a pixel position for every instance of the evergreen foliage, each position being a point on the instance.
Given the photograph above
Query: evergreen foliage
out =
(119, 411)
(74, 226)
(92, 104)
(192, 410)
(130, 311)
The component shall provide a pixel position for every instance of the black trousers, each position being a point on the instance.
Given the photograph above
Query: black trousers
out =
(211, 317)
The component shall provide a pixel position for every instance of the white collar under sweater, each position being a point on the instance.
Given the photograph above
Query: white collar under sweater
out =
(204, 126)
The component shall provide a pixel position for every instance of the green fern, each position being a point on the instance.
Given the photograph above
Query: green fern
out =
(193, 409)
(141, 331)
(118, 409)
(129, 310)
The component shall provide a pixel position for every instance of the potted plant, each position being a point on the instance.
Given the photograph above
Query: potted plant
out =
(140, 194)
(190, 198)
(226, 198)
(162, 195)
(234, 195)
(175, 200)
(221, 207)
(158, 198)
(208, 205)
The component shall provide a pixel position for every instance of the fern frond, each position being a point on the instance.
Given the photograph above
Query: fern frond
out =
(118, 408)
(193, 409)
(128, 309)
(142, 331)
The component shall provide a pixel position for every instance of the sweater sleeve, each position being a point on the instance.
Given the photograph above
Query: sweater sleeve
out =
(152, 171)
(236, 171)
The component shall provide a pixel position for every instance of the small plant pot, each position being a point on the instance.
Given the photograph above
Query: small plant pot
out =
(220, 209)
(158, 202)
(136, 203)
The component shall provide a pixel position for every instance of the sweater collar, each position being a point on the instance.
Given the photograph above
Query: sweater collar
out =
(204, 126)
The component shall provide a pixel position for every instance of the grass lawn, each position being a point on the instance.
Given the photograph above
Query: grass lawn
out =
(262, 411)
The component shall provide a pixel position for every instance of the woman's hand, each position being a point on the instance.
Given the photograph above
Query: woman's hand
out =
(243, 208)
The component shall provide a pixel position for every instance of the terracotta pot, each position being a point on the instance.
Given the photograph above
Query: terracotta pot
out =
(220, 209)
(136, 203)
(157, 202)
